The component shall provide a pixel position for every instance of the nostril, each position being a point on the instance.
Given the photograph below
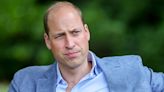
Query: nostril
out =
(70, 46)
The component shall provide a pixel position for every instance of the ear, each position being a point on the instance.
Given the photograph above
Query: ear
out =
(87, 30)
(47, 41)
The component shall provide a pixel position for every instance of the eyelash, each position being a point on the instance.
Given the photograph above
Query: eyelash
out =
(58, 36)
(76, 32)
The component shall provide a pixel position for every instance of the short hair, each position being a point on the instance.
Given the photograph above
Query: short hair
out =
(55, 5)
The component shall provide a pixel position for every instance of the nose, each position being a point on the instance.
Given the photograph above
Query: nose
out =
(69, 42)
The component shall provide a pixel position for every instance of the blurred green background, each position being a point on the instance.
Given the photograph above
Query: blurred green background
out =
(118, 27)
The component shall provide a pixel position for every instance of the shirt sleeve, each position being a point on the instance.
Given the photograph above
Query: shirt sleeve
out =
(13, 87)
(156, 80)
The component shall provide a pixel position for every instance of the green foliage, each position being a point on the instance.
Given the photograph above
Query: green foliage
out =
(21, 36)
(4, 87)
(127, 27)
(117, 27)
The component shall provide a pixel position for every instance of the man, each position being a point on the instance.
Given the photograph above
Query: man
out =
(78, 69)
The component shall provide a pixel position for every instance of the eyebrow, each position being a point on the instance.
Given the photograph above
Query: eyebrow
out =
(75, 29)
(63, 33)
(60, 33)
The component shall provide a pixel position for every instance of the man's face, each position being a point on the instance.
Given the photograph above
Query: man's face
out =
(68, 38)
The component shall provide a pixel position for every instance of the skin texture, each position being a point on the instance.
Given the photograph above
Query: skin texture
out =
(68, 41)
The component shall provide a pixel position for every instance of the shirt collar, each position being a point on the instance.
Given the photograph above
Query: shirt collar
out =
(94, 71)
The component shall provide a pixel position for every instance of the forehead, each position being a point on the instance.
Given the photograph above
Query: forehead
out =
(61, 11)
(64, 18)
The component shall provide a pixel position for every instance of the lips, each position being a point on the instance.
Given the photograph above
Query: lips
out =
(72, 55)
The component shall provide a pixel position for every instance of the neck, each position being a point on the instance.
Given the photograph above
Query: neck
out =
(73, 75)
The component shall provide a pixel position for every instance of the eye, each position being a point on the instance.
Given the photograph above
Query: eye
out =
(58, 36)
(76, 32)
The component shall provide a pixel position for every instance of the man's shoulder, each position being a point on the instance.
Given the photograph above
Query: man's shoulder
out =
(27, 77)
(125, 60)
(31, 72)
(125, 66)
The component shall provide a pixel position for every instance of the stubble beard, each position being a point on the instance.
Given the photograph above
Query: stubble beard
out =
(75, 62)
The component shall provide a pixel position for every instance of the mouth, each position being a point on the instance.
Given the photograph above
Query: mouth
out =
(72, 55)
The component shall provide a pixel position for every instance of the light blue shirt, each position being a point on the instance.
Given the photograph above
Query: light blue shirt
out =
(92, 82)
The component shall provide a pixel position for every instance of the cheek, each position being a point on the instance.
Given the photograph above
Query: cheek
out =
(85, 38)
(83, 41)
(57, 46)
